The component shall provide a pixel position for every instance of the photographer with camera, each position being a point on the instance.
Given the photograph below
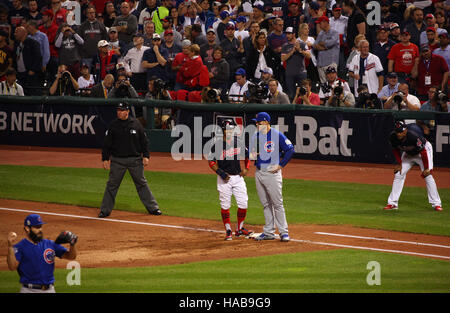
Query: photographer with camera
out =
(367, 100)
(437, 102)
(276, 96)
(335, 92)
(304, 95)
(402, 100)
(157, 91)
(123, 89)
(64, 84)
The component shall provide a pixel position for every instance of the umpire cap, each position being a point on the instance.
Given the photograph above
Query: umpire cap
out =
(123, 106)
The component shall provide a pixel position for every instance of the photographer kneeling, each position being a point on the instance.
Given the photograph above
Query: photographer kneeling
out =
(64, 84)
(157, 91)
(367, 100)
(123, 89)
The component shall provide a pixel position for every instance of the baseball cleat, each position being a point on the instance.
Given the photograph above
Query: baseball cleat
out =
(229, 235)
(103, 215)
(155, 212)
(264, 237)
(390, 207)
(438, 208)
(285, 237)
(243, 232)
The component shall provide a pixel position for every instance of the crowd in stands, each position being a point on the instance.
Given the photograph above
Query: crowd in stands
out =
(321, 52)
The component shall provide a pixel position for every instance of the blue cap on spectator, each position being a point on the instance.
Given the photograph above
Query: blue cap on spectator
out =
(259, 5)
(241, 19)
(314, 5)
(224, 14)
(33, 220)
(240, 71)
(262, 116)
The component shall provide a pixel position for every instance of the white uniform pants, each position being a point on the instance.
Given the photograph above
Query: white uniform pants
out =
(234, 187)
(408, 161)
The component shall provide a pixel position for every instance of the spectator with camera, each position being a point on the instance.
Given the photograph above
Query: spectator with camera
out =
(304, 95)
(437, 101)
(366, 68)
(157, 91)
(390, 88)
(367, 100)
(69, 44)
(276, 96)
(239, 88)
(335, 92)
(402, 100)
(123, 89)
(9, 86)
(65, 84)
(266, 76)
(433, 71)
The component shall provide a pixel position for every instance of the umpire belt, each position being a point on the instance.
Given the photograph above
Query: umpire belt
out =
(41, 287)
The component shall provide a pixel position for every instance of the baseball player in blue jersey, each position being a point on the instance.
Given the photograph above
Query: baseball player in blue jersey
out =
(34, 257)
(271, 151)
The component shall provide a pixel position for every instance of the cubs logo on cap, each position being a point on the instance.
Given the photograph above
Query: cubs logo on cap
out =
(33, 220)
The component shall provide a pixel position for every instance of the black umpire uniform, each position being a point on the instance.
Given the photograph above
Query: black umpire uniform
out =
(125, 145)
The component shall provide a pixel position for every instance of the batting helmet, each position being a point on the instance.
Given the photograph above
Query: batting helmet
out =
(227, 124)
(399, 126)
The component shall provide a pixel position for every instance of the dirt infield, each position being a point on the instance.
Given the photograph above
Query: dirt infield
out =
(146, 240)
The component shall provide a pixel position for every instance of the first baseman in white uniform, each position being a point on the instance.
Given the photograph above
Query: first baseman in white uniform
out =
(410, 147)
(271, 151)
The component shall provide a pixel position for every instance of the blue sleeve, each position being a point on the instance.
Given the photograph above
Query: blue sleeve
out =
(59, 250)
(287, 148)
(18, 252)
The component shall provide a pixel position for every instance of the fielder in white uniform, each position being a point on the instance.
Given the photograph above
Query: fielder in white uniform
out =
(224, 160)
(271, 151)
(410, 147)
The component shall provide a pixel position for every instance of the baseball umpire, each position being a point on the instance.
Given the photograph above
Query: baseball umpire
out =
(271, 151)
(125, 148)
(224, 160)
(410, 147)
(34, 257)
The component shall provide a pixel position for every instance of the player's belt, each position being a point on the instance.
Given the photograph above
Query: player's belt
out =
(41, 287)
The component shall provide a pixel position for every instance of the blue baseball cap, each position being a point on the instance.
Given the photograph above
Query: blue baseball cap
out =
(240, 71)
(262, 116)
(33, 220)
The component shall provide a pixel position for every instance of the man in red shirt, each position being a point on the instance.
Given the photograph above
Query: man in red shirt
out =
(433, 71)
(402, 56)
(50, 29)
(308, 98)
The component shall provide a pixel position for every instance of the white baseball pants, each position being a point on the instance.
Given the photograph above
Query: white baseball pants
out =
(234, 187)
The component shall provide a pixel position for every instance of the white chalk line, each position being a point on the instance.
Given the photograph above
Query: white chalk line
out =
(385, 239)
(221, 231)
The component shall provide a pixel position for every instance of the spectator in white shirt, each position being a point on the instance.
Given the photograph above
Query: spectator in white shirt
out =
(405, 101)
(239, 88)
(10, 87)
(86, 80)
(133, 64)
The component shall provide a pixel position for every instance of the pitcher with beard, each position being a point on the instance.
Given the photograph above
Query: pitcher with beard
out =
(34, 257)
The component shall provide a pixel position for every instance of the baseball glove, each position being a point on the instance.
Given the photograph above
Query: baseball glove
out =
(66, 237)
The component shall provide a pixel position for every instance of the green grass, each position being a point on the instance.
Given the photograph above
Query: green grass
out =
(195, 196)
(320, 271)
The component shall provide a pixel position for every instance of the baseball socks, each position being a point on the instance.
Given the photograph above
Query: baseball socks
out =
(241, 231)
(226, 222)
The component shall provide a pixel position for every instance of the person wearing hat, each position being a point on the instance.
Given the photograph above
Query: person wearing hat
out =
(125, 148)
(382, 46)
(294, 15)
(271, 150)
(173, 49)
(402, 56)
(410, 147)
(390, 88)
(206, 50)
(155, 59)
(34, 256)
(443, 50)
(241, 33)
(104, 62)
(119, 47)
(387, 16)
(294, 53)
(233, 48)
(394, 32)
(433, 71)
(86, 80)
(430, 22)
(239, 88)
(328, 47)
(224, 19)
(330, 95)
(92, 31)
(258, 12)
(167, 24)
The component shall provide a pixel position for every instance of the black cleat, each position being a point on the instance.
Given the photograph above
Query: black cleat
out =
(103, 215)
(155, 212)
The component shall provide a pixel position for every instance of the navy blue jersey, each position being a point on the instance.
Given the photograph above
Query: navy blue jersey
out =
(412, 144)
(228, 155)
(37, 261)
